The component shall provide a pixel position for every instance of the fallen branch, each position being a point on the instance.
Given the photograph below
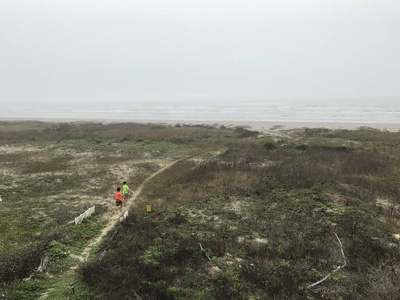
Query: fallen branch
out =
(214, 270)
(43, 264)
(42, 267)
(201, 247)
(336, 270)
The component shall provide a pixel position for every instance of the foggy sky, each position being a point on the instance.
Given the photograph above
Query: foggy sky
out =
(302, 51)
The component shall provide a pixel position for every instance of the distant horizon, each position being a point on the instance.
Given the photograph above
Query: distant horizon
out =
(301, 102)
(209, 112)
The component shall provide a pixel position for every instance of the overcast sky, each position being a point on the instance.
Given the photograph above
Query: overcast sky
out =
(303, 51)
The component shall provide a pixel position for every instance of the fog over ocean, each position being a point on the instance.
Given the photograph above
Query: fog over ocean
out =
(201, 61)
(204, 112)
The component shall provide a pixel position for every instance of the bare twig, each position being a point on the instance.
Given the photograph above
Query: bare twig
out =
(215, 268)
(336, 270)
(201, 247)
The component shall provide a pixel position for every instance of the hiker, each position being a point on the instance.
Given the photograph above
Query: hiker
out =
(125, 189)
(118, 195)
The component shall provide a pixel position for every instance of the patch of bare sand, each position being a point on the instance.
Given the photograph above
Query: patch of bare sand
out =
(5, 171)
(335, 198)
(256, 239)
(386, 203)
(261, 240)
(12, 149)
(276, 126)
(228, 259)
(200, 215)
(238, 206)
(210, 155)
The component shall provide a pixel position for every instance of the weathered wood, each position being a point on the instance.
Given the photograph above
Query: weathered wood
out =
(336, 270)
(43, 264)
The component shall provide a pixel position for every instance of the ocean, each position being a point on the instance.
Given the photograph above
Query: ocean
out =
(209, 112)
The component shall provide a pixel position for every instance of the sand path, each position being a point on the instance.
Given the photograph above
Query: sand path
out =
(112, 220)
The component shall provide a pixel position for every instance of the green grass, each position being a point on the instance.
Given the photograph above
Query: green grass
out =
(56, 289)
(73, 241)
(80, 235)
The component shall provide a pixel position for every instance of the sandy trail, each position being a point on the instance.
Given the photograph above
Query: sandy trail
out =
(113, 219)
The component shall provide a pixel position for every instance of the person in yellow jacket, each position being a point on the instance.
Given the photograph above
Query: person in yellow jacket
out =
(125, 189)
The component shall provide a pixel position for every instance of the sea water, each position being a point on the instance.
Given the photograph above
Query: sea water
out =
(207, 112)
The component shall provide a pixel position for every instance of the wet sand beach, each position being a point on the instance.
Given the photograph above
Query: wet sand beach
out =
(262, 126)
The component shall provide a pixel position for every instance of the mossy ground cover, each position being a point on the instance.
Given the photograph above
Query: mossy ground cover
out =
(265, 212)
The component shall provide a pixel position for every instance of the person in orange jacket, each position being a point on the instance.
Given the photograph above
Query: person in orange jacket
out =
(118, 197)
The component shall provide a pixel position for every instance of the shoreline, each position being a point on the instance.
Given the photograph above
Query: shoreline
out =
(262, 126)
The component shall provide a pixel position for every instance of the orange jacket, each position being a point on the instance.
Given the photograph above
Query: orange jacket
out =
(118, 196)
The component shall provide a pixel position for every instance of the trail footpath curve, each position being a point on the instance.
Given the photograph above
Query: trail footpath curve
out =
(112, 220)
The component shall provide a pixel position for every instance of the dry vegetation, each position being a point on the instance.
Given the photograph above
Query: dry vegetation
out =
(265, 212)
(263, 209)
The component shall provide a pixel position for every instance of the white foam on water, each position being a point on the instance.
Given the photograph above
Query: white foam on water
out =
(213, 112)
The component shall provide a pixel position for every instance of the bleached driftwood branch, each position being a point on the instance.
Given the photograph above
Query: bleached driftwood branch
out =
(201, 247)
(43, 264)
(42, 267)
(214, 269)
(334, 271)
